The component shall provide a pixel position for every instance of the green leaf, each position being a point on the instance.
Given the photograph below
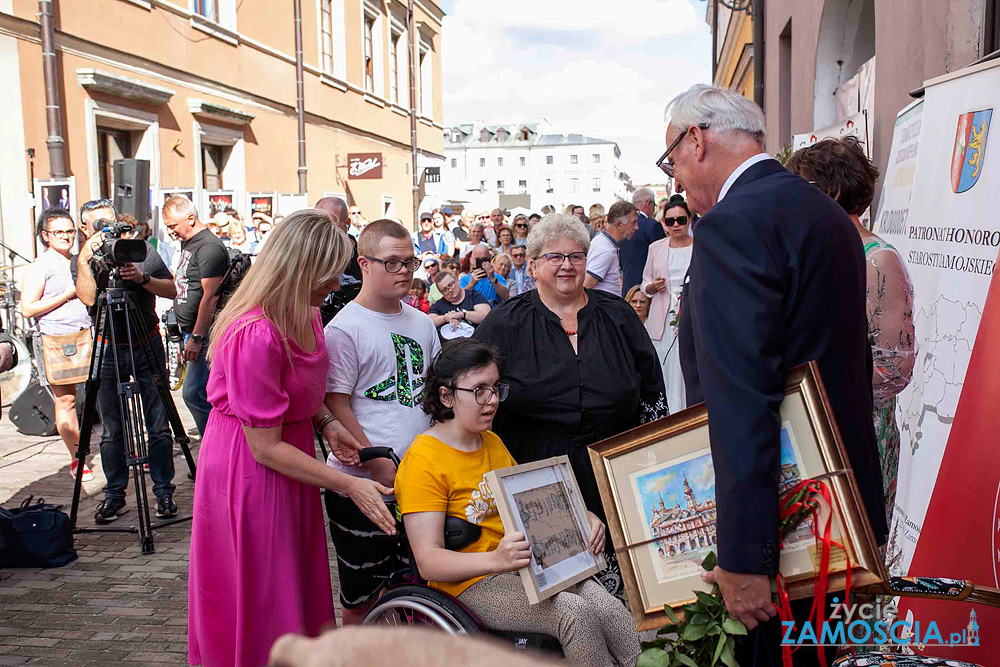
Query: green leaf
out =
(710, 561)
(653, 657)
(656, 643)
(734, 626)
(719, 647)
(727, 657)
(667, 629)
(693, 632)
(685, 660)
(731, 643)
(698, 619)
(670, 614)
(714, 629)
(709, 601)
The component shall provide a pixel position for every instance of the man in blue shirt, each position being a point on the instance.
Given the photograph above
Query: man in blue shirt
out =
(483, 278)
(633, 251)
(428, 241)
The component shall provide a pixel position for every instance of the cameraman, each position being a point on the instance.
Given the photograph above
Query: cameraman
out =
(146, 280)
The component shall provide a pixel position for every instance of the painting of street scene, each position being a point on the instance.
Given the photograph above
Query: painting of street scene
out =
(677, 502)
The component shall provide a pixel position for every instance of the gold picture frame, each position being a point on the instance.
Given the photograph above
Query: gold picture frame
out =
(663, 456)
(542, 500)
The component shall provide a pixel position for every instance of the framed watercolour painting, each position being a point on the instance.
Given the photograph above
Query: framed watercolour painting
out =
(543, 501)
(657, 485)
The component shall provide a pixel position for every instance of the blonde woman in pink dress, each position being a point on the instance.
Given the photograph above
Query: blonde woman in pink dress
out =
(259, 565)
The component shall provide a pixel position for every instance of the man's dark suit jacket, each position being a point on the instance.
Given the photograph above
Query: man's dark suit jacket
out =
(777, 279)
(633, 251)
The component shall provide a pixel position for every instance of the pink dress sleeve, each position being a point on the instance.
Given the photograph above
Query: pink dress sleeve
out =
(255, 362)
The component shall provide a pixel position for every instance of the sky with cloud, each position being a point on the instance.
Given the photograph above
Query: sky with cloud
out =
(602, 69)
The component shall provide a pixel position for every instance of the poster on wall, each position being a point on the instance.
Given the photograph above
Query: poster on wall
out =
(855, 126)
(291, 203)
(167, 193)
(217, 201)
(55, 193)
(949, 236)
(263, 203)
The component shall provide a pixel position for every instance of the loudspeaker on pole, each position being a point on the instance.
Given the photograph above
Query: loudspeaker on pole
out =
(132, 188)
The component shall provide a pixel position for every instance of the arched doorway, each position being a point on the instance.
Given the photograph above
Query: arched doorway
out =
(846, 42)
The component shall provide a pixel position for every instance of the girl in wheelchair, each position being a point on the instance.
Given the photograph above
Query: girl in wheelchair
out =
(443, 474)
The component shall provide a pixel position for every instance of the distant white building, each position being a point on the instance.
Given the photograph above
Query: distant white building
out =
(483, 162)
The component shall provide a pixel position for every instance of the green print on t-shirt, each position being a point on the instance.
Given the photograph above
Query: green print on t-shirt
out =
(404, 384)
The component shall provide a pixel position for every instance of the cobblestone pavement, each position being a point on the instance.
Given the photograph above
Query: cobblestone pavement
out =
(111, 605)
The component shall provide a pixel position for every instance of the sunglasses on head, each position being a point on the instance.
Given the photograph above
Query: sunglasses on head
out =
(679, 220)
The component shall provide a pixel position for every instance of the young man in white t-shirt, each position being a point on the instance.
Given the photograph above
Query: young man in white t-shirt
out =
(379, 352)
(604, 271)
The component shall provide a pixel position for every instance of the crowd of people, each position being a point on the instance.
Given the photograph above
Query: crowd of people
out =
(482, 340)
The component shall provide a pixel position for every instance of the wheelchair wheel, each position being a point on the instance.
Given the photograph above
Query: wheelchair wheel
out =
(421, 606)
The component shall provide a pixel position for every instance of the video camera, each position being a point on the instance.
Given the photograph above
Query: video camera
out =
(116, 252)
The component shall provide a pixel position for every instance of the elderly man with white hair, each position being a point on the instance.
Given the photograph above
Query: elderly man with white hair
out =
(633, 251)
(777, 279)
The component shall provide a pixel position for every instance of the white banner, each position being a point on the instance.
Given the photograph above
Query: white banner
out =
(852, 126)
(949, 234)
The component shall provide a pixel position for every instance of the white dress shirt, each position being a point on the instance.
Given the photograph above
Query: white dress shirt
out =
(759, 157)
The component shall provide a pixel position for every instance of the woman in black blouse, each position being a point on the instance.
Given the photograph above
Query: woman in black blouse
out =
(579, 363)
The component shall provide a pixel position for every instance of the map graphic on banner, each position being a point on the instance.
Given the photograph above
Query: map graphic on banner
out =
(938, 209)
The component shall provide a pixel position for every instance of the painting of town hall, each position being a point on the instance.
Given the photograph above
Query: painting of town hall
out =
(677, 501)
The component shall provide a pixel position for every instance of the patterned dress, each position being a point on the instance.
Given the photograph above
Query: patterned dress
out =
(890, 332)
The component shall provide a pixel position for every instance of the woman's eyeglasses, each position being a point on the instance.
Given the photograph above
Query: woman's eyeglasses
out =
(557, 258)
(63, 233)
(395, 265)
(679, 220)
(484, 395)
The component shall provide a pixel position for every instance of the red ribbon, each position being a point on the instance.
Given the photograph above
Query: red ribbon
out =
(812, 487)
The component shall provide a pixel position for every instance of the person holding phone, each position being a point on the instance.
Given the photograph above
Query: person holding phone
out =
(484, 279)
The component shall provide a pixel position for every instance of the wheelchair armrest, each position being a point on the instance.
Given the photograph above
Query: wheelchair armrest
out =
(371, 453)
(459, 533)
(936, 588)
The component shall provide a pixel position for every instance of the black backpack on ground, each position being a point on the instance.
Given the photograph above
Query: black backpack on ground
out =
(38, 535)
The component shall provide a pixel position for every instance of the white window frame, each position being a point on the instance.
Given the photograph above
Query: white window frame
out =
(574, 185)
(389, 206)
(234, 173)
(596, 183)
(482, 186)
(395, 37)
(522, 187)
(500, 185)
(482, 162)
(523, 161)
(574, 159)
(499, 160)
(597, 158)
(425, 67)
(369, 10)
(338, 39)
(548, 186)
(549, 159)
(454, 163)
(226, 10)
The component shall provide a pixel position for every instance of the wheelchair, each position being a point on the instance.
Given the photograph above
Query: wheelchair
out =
(407, 600)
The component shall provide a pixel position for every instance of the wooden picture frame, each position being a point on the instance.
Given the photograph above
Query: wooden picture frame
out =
(661, 541)
(560, 532)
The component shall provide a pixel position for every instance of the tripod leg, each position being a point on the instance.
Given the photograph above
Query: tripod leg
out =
(160, 382)
(135, 442)
(91, 389)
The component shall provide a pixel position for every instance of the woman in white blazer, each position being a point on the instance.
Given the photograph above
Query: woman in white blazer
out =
(662, 279)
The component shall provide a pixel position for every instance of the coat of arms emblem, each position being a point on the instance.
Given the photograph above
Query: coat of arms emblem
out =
(970, 149)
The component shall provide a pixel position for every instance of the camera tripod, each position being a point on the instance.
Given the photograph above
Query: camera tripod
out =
(117, 314)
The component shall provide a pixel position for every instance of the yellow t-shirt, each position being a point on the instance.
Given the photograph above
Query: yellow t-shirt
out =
(435, 477)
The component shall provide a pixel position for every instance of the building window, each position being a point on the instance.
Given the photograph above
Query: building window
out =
(548, 185)
(482, 186)
(574, 185)
(524, 134)
(597, 158)
(394, 69)
(369, 55)
(573, 159)
(207, 8)
(454, 163)
(420, 82)
(522, 187)
(499, 185)
(499, 161)
(482, 162)
(524, 161)
(548, 159)
(111, 145)
(212, 164)
(326, 28)
(597, 185)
